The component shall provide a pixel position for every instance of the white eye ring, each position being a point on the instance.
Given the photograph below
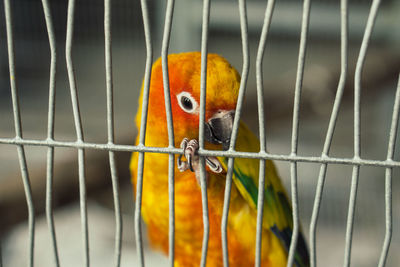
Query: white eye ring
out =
(187, 102)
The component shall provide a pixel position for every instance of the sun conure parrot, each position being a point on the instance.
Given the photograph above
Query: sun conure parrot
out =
(221, 97)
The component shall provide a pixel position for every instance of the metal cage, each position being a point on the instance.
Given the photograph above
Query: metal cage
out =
(80, 145)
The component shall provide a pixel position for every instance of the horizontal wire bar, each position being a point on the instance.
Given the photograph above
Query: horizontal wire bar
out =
(204, 152)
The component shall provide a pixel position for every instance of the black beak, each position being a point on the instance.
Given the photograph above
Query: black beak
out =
(218, 129)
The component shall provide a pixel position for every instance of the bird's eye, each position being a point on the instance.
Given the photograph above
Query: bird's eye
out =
(187, 102)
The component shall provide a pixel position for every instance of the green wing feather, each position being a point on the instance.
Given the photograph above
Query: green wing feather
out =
(277, 210)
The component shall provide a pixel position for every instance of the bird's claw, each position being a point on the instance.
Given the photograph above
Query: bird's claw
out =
(183, 165)
(190, 148)
(214, 164)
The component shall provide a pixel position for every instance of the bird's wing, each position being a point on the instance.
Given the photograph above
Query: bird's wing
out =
(277, 209)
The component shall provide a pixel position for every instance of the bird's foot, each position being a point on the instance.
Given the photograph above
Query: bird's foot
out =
(190, 148)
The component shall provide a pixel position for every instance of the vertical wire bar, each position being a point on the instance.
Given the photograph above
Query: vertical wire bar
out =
(350, 215)
(242, 89)
(50, 129)
(388, 217)
(110, 130)
(78, 128)
(118, 216)
(225, 213)
(295, 127)
(171, 201)
(394, 124)
(203, 74)
(331, 129)
(142, 133)
(18, 133)
(357, 78)
(261, 122)
(357, 129)
(260, 212)
(245, 72)
(295, 211)
(203, 93)
(388, 178)
(164, 62)
(171, 159)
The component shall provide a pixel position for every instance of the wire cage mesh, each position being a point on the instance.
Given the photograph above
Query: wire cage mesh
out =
(293, 158)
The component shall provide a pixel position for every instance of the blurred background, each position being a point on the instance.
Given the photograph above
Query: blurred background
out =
(322, 69)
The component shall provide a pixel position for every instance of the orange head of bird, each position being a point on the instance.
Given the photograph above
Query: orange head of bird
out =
(184, 81)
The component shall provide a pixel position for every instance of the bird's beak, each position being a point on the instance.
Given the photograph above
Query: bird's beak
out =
(218, 128)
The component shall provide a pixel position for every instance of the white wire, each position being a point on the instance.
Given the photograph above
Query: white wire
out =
(330, 131)
(203, 87)
(261, 121)
(295, 127)
(171, 159)
(50, 129)
(293, 158)
(204, 152)
(142, 133)
(79, 131)
(110, 131)
(388, 178)
(18, 133)
(357, 129)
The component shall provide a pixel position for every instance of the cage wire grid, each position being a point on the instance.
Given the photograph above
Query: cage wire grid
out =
(293, 158)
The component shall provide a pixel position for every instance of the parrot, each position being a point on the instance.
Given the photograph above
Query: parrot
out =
(222, 89)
